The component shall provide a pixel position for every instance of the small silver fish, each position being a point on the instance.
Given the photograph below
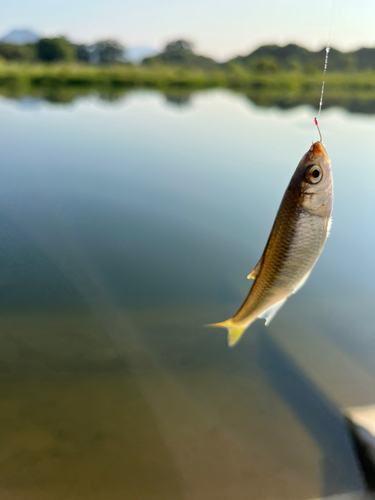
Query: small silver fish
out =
(297, 239)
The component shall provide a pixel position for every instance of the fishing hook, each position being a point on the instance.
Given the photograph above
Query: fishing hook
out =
(317, 126)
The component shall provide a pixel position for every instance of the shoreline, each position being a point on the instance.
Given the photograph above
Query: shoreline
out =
(166, 77)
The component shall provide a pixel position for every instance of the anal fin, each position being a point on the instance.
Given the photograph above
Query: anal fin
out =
(270, 313)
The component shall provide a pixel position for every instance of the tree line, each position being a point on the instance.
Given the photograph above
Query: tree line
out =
(180, 53)
(60, 49)
(269, 59)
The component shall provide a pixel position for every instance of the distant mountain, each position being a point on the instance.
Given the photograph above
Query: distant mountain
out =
(20, 37)
(136, 54)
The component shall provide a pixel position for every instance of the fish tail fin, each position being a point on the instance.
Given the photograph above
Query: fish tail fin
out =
(235, 332)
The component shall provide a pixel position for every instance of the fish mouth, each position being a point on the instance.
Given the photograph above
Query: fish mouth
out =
(317, 148)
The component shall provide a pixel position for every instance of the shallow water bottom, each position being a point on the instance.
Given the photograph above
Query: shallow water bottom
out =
(143, 413)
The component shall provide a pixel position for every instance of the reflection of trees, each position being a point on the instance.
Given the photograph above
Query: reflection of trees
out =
(65, 94)
(112, 95)
(183, 99)
(267, 100)
(356, 106)
(62, 94)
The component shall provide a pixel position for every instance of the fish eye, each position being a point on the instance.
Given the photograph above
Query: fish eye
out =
(314, 174)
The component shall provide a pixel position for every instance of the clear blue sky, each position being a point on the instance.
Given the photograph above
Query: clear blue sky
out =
(219, 28)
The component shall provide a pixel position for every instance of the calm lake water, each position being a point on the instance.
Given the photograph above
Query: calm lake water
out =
(125, 226)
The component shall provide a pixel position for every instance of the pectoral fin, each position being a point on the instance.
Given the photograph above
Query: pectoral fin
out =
(255, 271)
(329, 225)
(269, 313)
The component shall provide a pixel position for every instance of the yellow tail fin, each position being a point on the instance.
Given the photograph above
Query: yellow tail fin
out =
(235, 332)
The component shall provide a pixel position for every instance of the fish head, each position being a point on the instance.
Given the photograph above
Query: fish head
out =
(313, 181)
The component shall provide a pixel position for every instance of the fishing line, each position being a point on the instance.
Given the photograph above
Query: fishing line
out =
(328, 48)
(323, 83)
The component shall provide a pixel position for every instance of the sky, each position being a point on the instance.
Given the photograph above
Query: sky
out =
(218, 28)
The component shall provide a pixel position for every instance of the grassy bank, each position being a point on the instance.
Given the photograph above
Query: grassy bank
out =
(164, 77)
(62, 83)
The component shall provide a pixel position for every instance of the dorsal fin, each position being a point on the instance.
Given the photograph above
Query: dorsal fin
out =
(254, 273)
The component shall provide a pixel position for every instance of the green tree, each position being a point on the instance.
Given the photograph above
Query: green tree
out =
(180, 53)
(108, 52)
(11, 52)
(265, 65)
(179, 46)
(55, 49)
(83, 53)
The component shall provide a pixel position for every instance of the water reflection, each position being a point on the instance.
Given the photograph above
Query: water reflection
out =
(69, 94)
(179, 99)
(116, 222)
(349, 104)
(62, 95)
